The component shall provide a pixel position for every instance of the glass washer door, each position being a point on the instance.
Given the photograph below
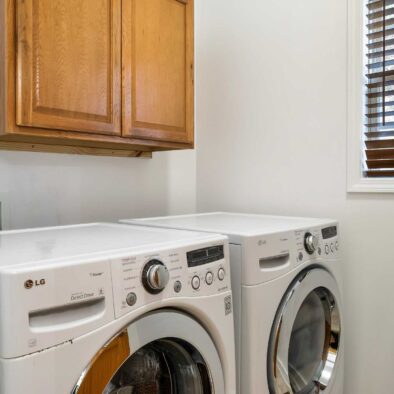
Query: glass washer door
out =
(165, 352)
(305, 337)
(164, 366)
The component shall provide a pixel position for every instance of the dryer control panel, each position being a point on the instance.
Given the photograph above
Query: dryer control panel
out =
(317, 242)
(275, 254)
(193, 271)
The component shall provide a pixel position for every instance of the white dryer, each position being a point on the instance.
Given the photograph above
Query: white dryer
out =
(103, 308)
(286, 280)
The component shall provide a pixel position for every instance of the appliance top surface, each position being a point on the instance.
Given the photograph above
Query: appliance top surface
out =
(67, 242)
(234, 223)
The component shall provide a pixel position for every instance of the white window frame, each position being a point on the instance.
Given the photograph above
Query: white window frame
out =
(356, 182)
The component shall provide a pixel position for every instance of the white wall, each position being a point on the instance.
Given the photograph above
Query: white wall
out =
(271, 97)
(51, 189)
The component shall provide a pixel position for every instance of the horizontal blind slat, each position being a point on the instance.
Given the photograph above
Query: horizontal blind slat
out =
(384, 163)
(373, 115)
(375, 85)
(387, 93)
(380, 144)
(380, 74)
(380, 124)
(379, 154)
(379, 14)
(379, 44)
(379, 24)
(379, 134)
(380, 33)
(379, 54)
(380, 105)
(375, 5)
(380, 64)
(379, 174)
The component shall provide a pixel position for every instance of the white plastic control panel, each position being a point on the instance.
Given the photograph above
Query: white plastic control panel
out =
(270, 256)
(327, 243)
(184, 281)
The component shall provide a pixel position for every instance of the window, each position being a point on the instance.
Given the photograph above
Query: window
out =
(371, 96)
(379, 110)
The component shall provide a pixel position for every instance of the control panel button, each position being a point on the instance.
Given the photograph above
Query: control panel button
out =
(209, 278)
(336, 245)
(332, 247)
(131, 299)
(327, 249)
(319, 250)
(196, 282)
(177, 286)
(221, 274)
(300, 256)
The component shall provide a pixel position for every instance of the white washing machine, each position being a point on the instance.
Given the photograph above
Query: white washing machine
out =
(103, 308)
(286, 280)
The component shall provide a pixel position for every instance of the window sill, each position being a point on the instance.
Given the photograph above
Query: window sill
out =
(370, 185)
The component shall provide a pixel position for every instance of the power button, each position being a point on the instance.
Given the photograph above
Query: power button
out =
(131, 299)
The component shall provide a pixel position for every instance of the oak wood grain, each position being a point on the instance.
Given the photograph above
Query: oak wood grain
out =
(10, 64)
(10, 131)
(158, 69)
(69, 64)
(3, 66)
(24, 134)
(69, 149)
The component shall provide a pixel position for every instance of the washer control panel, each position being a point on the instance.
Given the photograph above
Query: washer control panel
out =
(185, 272)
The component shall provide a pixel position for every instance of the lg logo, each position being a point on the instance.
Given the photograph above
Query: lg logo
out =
(30, 283)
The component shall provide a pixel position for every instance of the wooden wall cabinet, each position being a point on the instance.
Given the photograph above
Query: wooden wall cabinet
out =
(111, 77)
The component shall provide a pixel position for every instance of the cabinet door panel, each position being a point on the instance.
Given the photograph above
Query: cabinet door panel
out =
(69, 65)
(158, 70)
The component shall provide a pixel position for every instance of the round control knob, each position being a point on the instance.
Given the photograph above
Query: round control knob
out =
(311, 243)
(196, 282)
(155, 276)
(221, 274)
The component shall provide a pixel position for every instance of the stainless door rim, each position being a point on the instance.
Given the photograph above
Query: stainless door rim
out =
(164, 324)
(315, 279)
